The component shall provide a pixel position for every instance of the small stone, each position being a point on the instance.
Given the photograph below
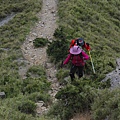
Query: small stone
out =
(40, 103)
(48, 65)
(47, 4)
(2, 94)
(30, 40)
(34, 34)
(44, 108)
(53, 11)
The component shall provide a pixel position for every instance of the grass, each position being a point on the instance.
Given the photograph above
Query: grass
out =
(20, 95)
(98, 22)
(40, 42)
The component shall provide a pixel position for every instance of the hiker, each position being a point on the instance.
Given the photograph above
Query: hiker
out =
(81, 43)
(77, 57)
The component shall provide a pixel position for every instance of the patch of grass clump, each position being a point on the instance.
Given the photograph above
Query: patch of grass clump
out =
(27, 107)
(107, 107)
(37, 71)
(31, 85)
(58, 50)
(40, 42)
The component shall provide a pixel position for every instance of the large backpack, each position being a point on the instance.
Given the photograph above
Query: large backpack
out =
(73, 42)
(80, 42)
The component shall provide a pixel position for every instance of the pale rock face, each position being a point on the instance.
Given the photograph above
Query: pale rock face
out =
(114, 76)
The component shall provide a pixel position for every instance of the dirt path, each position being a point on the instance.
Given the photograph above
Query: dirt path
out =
(37, 56)
(44, 28)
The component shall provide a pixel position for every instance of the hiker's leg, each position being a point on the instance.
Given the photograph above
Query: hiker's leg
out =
(72, 72)
(77, 72)
(80, 70)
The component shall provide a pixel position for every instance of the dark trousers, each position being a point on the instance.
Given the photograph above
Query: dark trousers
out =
(76, 69)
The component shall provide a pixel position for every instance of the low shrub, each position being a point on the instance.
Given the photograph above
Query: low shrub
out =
(61, 75)
(9, 109)
(57, 50)
(40, 42)
(37, 96)
(75, 98)
(27, 107)
(31, 85)
(106, 105)
(60, 33)
(36, 71)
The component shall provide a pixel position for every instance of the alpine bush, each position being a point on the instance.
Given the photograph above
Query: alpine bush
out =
(57, 50)
(36, 71)
(40, 42)
(61, 75)
(37, 96)
(74, 98)
(31, 85)
(27, 107)
(106, 105)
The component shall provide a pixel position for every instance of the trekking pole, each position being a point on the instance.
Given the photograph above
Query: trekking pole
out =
(92, 62)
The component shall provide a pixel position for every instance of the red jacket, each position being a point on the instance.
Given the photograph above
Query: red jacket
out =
(77, 60)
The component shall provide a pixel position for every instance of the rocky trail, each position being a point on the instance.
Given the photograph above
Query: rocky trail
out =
(37, 56)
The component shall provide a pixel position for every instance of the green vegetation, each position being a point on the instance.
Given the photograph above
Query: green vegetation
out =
(40, 42)
(108, 106)
(58, 50)
(61, 75)
(36, 71)
(14, 33)
(98, 22)
(21, 95)
(18, 108)
(20, 6)
(76, 97)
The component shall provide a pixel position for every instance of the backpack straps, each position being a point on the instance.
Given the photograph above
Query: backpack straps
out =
(81, 56)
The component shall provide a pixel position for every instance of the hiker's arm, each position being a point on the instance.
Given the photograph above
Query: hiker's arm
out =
(67, 59)
(85, 56)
